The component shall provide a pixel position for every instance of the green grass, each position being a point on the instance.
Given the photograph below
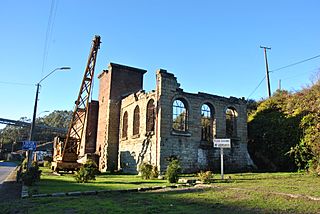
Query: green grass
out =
(291, 183)
(243, 193)
(51, 183)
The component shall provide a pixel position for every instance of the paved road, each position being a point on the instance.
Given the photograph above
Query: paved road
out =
(9, 189)
(5, 169)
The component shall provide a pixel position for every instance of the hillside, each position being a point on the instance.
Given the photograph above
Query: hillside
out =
(284, 131)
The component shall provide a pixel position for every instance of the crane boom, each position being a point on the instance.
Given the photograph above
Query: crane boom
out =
(66, 153)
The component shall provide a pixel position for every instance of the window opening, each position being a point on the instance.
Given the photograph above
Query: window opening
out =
(179, 122)
(125, 125)
(206, 123)
(231, 122)
(136, 121)
(150, 116)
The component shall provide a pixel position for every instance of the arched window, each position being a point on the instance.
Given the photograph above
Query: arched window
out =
(180, 116)
(231, 122)
(125, 125)
(136, 120)
(207, 125)
(150, 116)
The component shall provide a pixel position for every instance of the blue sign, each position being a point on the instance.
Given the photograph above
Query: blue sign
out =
(29, 145)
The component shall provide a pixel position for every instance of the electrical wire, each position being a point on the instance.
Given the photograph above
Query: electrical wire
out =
(296, 63)
(256, 87)
(52, 15)
(287, 66)
(297, 75)
(15, 83)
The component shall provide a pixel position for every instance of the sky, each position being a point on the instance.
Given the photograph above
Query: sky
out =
(211, 46)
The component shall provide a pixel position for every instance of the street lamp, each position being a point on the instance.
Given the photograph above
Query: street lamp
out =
(31, 136)
(42, 113)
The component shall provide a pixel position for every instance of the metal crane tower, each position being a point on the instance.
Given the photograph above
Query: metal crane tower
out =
(66, 151)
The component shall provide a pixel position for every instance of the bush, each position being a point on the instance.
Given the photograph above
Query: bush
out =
(24, 164)
(205, 177)
(32, 175)
(87, 172)
(173, 171)
(155, 172)
(47, 164)
(147, 171)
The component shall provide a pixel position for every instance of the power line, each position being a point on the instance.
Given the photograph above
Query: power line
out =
(297, 75)
(256, 87)
(15, 83)
(296, 63)
(53, 10)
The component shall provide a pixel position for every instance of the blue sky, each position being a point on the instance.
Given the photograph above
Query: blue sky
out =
(210, 46)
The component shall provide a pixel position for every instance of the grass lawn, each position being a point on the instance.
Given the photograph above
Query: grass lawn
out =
(243, 193)
(51, 183)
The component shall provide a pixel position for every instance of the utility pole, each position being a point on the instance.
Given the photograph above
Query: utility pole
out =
(267, 69)
(33, 123)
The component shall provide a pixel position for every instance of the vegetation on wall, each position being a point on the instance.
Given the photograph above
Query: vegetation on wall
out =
(284, 131)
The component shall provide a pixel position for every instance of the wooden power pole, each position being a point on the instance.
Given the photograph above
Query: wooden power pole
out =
(267, 69)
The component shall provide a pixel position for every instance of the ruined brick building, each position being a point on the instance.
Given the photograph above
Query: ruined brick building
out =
(135, 126)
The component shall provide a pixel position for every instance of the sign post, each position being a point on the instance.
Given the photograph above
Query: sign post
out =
(221, 158)
(221, 143)
(29, 146)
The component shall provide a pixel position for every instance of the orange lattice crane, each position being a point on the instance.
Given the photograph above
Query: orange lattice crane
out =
(66, 150)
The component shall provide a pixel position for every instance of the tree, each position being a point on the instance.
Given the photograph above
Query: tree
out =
(10, 134)
(284, 131)
(58, 119)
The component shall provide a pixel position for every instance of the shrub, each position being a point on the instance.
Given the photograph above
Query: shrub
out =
(145, 170)
(47, 164)
(24, 164)
(205, 177)
(173, 171)
(155, 172)
(87, 172)
(148, 171)
(32, 175)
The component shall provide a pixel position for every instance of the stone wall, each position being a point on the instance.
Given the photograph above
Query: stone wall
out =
(193, 153)
(121, 91)
(138, 148)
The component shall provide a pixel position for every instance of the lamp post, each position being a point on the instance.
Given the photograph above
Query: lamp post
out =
(42, 113)
(31, 135)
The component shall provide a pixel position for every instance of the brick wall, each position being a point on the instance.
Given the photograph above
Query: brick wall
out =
(92, 123)
(115, 83)
(88, 141)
